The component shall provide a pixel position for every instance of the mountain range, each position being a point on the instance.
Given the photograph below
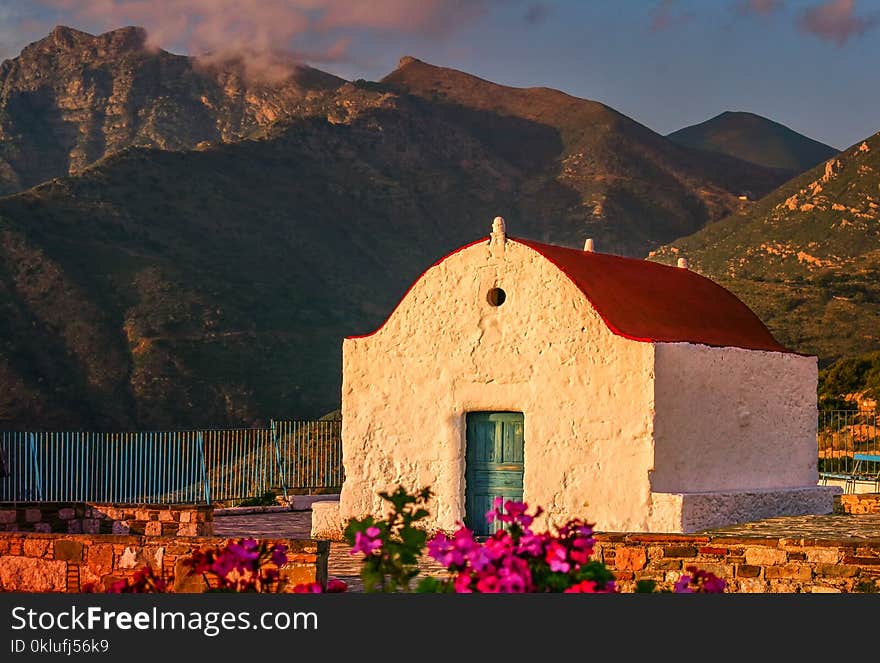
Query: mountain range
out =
(185, 244)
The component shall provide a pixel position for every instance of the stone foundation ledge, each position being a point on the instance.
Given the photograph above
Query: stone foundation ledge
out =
(694, 512)
(107, 518)
(748, 564)
(32, 562)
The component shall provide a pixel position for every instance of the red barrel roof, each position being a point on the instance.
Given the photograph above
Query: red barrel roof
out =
(646, 301)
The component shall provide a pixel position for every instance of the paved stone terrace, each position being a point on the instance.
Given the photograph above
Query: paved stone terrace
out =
(297, 524)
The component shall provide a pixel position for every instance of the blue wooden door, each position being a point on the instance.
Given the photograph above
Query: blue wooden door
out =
(494, 464)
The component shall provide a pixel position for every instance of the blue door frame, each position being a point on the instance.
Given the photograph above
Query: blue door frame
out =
(493, 464)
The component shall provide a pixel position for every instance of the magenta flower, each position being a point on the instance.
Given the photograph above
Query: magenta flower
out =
(462, 583)
(583, 587)
(279, 554)
(697, 580)
(531, 544)
(367, 541)
(487, 584)
(556, 556)
(683, 585)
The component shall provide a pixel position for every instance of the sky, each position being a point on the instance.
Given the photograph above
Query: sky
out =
(809, 64)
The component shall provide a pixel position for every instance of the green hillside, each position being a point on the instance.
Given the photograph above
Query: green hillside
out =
(806, 258)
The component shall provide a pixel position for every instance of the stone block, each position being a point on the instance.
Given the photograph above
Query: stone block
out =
(129, 559)
(8, 516)
(91, 526)
(822, 589)
(33, 515)
(837, 570)
(68, 550)
(27, 574)
(188, 529)
(761, 556)
(667, 564)
(165, 515)
(153, 528)
(800, 572)
(154, 556)
(822, 555)
(326, 521)
(74, 526)
(630, 558)
(66, 513)
(44, 528)
(35, 547)
(752, 586)
(121, 527)
(748, 571)
(99, 558)
(679, 551)
(185, 516)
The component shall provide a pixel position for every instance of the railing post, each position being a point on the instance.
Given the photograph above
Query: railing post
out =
(281, 474)
(206, 483)
(37, 474)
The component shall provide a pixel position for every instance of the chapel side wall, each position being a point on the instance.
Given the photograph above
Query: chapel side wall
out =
(586, 394)
(733, 419)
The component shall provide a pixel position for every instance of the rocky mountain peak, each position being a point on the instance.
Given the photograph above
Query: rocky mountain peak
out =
(65, 39)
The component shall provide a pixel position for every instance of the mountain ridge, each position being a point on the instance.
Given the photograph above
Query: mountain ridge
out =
(755, 139)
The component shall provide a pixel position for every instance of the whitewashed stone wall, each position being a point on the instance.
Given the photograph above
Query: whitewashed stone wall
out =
(733, 419)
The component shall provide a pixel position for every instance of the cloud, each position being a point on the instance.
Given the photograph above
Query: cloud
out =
(536, 13)
(272, 30)
(664, 16)
(836, 20)
(760, 7)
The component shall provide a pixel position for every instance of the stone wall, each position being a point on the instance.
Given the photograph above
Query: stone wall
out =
(84, 518)
(857, 504)
(748, 564)
(32, 562)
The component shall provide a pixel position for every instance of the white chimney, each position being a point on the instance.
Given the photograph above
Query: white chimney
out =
(499, 231)
(589, 245)
(683, 263)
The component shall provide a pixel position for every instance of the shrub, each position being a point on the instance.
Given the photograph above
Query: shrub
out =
(513, 559)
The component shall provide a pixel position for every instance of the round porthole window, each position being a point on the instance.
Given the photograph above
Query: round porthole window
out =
(496, 296)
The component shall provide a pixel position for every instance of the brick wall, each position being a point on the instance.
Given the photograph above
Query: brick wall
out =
(33, 562)
(84, 518)
(859, 503)
(748, 564)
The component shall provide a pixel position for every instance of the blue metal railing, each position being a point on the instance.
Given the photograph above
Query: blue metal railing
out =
(166, 467)
(842, 434)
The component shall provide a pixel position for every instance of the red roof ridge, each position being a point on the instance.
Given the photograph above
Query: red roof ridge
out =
(651, 302)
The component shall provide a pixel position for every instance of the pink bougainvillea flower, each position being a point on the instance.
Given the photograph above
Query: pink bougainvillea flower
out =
(556, 556)
(366, 542)
(488, 584)
(308, 588)
(462, 583)
(583, 587)
(532, 544)
(446, 551)
(336, 586)
(279, 554)
(683, 585)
